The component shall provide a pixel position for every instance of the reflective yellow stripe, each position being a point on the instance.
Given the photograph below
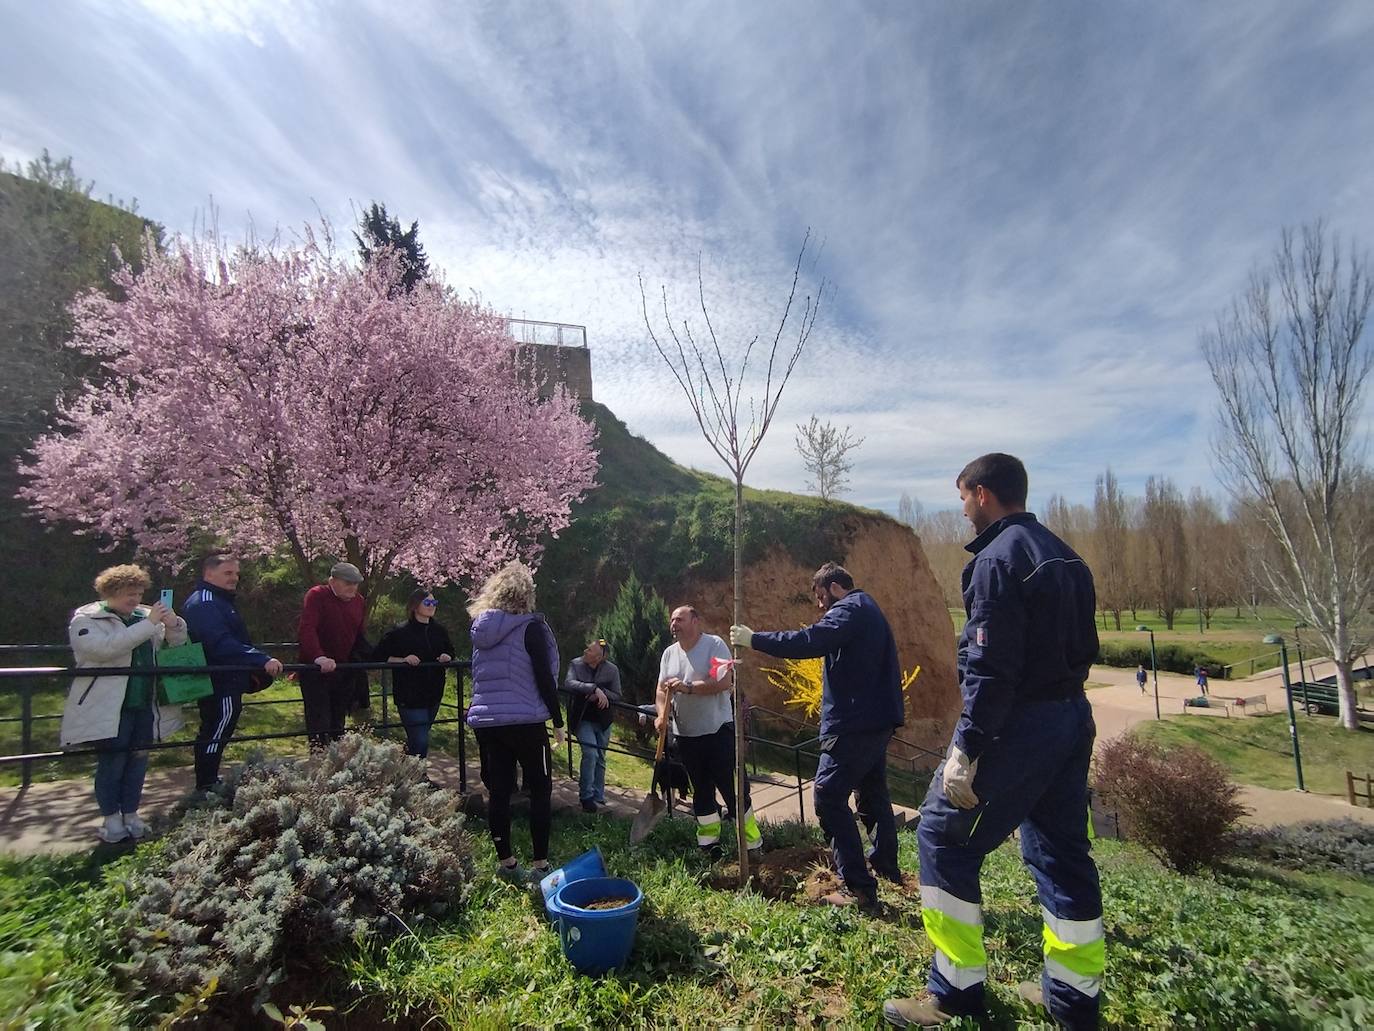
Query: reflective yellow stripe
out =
(752, 835)
(1092, 832)
(708, 830)
(955, 928)
(1075, 952)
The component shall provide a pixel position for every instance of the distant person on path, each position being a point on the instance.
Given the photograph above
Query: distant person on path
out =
(1140, 677)
(593, 682)
(417, 692)
(698, 704)
(212, 616)
(861, 706)
(1201, 673)
(118, 713)
(330, 631)
(1019, 758)
(514, 693)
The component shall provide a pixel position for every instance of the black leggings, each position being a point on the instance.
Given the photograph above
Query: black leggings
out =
(501, 748)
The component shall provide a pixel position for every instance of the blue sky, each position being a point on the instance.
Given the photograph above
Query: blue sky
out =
(1028, 210)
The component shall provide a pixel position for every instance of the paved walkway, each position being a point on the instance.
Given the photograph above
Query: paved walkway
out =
(60, 816)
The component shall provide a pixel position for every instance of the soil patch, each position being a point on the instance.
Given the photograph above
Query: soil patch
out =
(608, 903)
(775, 875)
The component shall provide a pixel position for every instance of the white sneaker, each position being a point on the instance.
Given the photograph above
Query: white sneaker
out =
(113, 829)
(135, 826)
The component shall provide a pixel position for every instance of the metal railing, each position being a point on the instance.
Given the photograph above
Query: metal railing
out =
(26, 679)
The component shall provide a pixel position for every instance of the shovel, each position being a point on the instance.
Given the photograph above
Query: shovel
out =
(653, 808)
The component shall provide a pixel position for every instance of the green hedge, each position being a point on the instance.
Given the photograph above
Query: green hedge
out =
(1173, 658)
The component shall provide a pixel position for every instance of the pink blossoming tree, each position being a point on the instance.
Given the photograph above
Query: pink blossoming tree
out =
(283, 400)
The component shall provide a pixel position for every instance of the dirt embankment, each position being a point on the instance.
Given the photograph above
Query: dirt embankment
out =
(886, 560)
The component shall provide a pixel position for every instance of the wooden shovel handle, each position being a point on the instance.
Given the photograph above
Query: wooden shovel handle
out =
(662, 740)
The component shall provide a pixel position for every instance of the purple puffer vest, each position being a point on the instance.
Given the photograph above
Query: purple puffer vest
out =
(503, 689)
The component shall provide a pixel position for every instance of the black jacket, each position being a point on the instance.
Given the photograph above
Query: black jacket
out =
(415, 688)
(581, 681)
(1031, 633)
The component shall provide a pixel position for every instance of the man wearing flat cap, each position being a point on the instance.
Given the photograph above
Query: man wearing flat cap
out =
(330, 629)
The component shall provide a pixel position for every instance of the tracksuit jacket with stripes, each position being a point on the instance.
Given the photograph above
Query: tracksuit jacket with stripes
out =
(213, 619)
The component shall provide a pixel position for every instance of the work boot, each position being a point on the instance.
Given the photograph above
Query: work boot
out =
(922, 1011)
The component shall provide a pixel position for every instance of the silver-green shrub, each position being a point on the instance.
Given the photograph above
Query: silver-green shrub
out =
(301, 855)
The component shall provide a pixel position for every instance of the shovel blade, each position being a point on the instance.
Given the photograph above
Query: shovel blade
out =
(651, 810)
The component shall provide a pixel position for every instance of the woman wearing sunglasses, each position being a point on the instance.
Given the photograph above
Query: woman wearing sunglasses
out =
(421, 638)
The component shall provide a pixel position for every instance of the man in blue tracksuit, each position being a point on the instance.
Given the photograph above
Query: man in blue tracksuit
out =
(861, 705)
(1019, 758)
(212, 616)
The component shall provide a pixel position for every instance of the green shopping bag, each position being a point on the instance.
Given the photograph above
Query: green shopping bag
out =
(175, 688)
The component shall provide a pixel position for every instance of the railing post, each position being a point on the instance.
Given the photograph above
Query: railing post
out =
(26, 730)
(386, 695)
(462, 734)
(567, 740)
(801, 799)
(1350, 787)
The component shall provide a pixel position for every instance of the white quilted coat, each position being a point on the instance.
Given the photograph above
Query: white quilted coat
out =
(100, 638)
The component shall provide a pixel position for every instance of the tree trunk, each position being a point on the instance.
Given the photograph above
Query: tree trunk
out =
(738, 692)
(1345, 683)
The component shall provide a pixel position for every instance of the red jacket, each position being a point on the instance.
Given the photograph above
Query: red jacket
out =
(328, 625)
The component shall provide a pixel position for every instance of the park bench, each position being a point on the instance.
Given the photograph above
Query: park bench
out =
(1208, 703)
(1249, 703)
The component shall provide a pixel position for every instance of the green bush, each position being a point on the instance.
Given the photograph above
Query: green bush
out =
(1173, 658)
(636, 632)
(1179, 803)
(1345, 845)
(310, 854)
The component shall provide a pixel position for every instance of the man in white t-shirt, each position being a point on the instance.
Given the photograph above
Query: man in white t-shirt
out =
(703, 722)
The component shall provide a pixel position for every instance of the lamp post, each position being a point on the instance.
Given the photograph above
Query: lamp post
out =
(1302, 669)
(1197, 600)
(1154, 665)
(1288, 690)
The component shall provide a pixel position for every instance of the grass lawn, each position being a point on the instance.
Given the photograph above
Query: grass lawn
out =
(1221, 949)
(1257, 749)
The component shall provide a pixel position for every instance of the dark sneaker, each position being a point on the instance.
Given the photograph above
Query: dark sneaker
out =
(588, 806)
(922, 1011)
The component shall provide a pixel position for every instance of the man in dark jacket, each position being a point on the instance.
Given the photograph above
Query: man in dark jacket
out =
(213, 619)
(330, 632)
(1019, 758)
(861, 705)
(593, 682)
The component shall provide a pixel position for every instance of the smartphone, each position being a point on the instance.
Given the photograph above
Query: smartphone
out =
(166, 598)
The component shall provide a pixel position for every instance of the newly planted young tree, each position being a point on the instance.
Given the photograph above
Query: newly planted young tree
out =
(283, 400)
(1290, 371)
(716, 385)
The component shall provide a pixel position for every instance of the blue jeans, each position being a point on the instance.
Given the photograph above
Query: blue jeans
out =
(120, 768)
(591, 781)
(417, 723)
(857, 763)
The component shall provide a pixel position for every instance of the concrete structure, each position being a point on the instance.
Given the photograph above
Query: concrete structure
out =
(556, 354)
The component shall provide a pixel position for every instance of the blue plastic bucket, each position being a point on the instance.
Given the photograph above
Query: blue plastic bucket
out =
(588, 864)
(597, 940)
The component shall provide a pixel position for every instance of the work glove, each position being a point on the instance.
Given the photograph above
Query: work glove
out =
(959, 774)
(741, 637)
(559, 738)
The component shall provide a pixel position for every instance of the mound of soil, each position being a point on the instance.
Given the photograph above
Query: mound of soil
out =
(777, 874)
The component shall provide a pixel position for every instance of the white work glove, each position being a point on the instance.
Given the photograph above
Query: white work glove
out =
(741, 636)
(959, 774)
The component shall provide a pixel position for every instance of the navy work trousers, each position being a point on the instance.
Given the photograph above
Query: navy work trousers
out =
(857, 764)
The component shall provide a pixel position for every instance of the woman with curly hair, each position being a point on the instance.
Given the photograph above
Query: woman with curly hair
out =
(514, 693)
(119, 714)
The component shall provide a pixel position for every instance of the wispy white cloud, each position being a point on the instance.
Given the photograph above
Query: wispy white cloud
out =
(1027, 212)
